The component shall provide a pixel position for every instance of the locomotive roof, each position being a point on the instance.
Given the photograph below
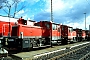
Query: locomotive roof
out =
(6, 19)
(32, 26)
(31, 20)
(27, 26)
(64, 25)
(44, 21)
(51, 22)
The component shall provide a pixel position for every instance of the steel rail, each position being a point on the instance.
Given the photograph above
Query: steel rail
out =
(85, 56)
(70, 52)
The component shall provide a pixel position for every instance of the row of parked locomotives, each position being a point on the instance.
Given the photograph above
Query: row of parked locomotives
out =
(27, 34)
(78, 35)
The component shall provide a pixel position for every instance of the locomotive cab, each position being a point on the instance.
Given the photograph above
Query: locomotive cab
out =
(78, 34)
(58, 34)
(70, 34)
(44, 24)
(46, 29)
(87, 37)
(22, 21)
(64, 34)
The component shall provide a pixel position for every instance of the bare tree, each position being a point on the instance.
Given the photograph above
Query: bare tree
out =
(9, 5)
(1, 3)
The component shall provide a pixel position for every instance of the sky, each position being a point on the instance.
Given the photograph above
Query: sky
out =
(66, 12)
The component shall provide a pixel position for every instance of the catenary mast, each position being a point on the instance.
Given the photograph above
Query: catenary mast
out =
(51, 21)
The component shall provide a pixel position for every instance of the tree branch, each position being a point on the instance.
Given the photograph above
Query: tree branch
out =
(5, 3)
(5, 11)
(19, 10)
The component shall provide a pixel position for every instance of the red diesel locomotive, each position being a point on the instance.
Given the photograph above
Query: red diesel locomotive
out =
(27, 34)
(43, 33)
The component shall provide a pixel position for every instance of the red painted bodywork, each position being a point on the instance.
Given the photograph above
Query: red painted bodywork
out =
(4, 28)
(39, 30)
(78, 32)
(28, 31)
(71, 33)
(55, 33)
(45, 29)
(83, 34)
(87, 33)
(64, 30)
(54, 30)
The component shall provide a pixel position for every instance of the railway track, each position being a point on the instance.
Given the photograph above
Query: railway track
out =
(78, 53)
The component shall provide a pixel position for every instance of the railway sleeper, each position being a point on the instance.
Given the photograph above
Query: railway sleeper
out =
(85, 56)
(67, 53)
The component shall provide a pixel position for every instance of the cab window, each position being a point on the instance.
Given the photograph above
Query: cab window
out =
(47, 25)
(70, 29)
(54, 27)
